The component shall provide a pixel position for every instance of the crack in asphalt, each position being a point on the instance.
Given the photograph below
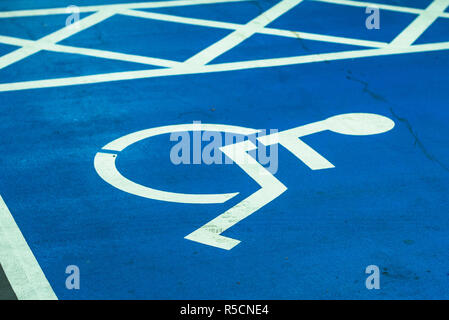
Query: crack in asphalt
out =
(417, 141)
(303, 45)
(367, 90)
(407, 124)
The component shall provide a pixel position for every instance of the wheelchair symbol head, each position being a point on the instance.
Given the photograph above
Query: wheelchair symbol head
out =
(359, 124)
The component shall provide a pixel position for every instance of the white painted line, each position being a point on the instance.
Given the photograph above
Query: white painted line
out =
(17, 55)
(322, 37)
(178, 19)
(89, 52)
(242, 33)
(54, 37)
(271, 188)
(16, 41)
(178, 3)
(33, 45)
(269, 31)
(123, 6)
(20, 266)
(232, 66)
(277, 62)
(113, 55)
(305, 153)
(364, 4)
(409, 35)
(289, 139)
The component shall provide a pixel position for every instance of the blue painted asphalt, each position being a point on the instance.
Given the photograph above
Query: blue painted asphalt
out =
(384, 203)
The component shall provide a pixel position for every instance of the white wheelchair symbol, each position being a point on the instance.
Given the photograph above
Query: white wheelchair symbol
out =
(271, 188)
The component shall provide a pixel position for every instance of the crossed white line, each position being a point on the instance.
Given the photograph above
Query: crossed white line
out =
(199, 62)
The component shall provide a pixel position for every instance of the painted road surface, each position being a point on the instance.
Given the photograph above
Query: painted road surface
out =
(355, 121)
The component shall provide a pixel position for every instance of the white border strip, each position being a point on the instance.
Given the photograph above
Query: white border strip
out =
(264, 63)
(115, 7)
(89, 52)
(18, 262)
(379, 5)
(179, 3)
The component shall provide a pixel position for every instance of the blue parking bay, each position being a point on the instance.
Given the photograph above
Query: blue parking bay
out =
(380, 199)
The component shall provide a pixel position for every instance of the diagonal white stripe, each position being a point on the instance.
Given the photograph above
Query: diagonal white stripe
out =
(382, 6)
(271, 188)
(178, 3)
(18, 262)
(242, 33)
(420, 24)
(90, 52)
(322, 37)
(270, 31)
(54, 37)
(109, 77)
